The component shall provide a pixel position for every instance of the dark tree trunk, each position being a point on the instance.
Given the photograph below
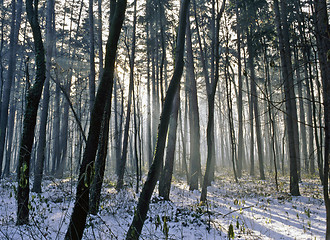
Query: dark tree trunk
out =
(154, 171)
(81, 207)
(291, 109)
(99, 34)
(149, 138)
(102, 151)
(91, 56)
(323, 46)
(30, 116)
(39, 166)
(99, 169)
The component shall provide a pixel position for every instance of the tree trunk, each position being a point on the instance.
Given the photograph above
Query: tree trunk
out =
(211, 89)
(30, 116)
(102, 151)
(122, 166)
(241, 154)
(91, 56)
(195, 161)
(154, 171)
(14, 29)
(291, 109)
(166, 175)
(302, 124)
(81, 207)
(38, 171)
(254, 101)
(323, 45)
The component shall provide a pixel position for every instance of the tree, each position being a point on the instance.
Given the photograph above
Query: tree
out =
(240, 148)
(291, 109)
(322, 32)
(166, 175)
(122, 166)
(14, 29)
(39, 166)
(91, 55)
(211, 89)
(81, 206)
(195, 161)
(140, 213)
(31, 110)
(102, 150)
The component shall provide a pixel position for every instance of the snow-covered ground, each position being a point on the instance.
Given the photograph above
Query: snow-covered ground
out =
(252, 209)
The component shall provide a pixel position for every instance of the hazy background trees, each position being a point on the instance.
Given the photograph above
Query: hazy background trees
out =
(251, 101)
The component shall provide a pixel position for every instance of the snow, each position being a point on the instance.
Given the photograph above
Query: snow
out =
(253, 208)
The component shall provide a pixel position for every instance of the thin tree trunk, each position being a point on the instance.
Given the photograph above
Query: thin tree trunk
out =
(91, 56)
(211, 90)
(254, 100)
(241, 154)
(195, 161)
(122, 166)
(166, 175)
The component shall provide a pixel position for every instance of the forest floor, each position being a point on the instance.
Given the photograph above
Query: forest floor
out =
(251, 208)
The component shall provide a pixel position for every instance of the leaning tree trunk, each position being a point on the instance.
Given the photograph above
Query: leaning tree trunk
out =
(30, 117)
(102, 151)
(140, 213)
(81, 207)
